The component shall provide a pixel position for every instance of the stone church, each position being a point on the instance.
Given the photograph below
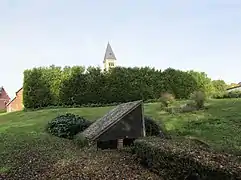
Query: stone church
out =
(109, 59)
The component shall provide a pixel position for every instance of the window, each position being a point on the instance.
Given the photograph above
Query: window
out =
(111, 64)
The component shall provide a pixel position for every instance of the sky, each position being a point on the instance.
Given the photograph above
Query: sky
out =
(201, 35)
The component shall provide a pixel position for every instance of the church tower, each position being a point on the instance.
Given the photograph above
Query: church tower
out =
(109, 59)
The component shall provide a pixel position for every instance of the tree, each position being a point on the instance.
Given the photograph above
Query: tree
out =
(219, 86)
(36, 92)
(179, 83)
(204, 83)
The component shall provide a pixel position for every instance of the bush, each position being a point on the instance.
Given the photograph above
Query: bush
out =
(166, 99)
(177, 159)
(155, 129)
(199, 99)
(80, 140)
(231, 94)
(67, 125)
(152, 128)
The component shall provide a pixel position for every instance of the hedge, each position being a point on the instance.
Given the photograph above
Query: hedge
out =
(231, 94)
(175, 159)
(77, 86)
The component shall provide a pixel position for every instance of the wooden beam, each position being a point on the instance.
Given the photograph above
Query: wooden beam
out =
(143, 120)
(119, 143)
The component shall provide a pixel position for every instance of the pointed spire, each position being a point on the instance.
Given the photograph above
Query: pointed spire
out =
(109, 54)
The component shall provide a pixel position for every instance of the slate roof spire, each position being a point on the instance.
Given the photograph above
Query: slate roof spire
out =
(109, 54)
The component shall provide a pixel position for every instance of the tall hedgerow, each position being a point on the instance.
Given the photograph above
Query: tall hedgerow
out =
(70, 86)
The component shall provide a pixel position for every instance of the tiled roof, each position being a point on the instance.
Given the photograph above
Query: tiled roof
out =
(110, 119)
(109, 54)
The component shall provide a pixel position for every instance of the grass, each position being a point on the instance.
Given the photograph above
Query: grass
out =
(219, 125)
(2, 111)
(26, 151)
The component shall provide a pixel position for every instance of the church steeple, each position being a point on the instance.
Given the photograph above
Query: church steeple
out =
(109, 59)
(109, 54)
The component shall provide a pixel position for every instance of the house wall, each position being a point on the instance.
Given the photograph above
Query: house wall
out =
(131, 126)
(17, 103)
(4, 99)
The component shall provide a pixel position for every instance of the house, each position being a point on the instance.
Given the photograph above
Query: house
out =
(17, 103)
(119, 127)
(236, 88)
(109, 58)
(4, 98)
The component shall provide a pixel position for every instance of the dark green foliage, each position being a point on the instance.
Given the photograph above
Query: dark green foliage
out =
(152, 128)
(67, 125)
(80, 140)
(219, 85)
(231, 94)
(178, 159)
(75, 86)
(36, 87)
(73, 90)
(179, 83)
(204, 83)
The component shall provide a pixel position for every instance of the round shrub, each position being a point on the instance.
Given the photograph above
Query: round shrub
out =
(199, 97)
(166, 99)
(67, 125)
(152, 128)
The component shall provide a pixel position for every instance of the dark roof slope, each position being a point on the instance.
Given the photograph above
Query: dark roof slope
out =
(110, 119)
(19, 90)
(234, 87)
(109, 54)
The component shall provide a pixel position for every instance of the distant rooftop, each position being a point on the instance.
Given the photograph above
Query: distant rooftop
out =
(1, 88)
(238, 86)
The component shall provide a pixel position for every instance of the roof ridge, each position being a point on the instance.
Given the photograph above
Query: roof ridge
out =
(95, 130)
(115, 122)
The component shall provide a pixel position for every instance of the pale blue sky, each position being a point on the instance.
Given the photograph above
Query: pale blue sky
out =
(203, 35)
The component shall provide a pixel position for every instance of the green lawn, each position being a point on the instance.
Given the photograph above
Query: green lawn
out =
(219, 125)
(26, 151)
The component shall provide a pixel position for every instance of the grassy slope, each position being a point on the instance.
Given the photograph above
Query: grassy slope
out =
(219, 125)
(27, 152)
(23, 140)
